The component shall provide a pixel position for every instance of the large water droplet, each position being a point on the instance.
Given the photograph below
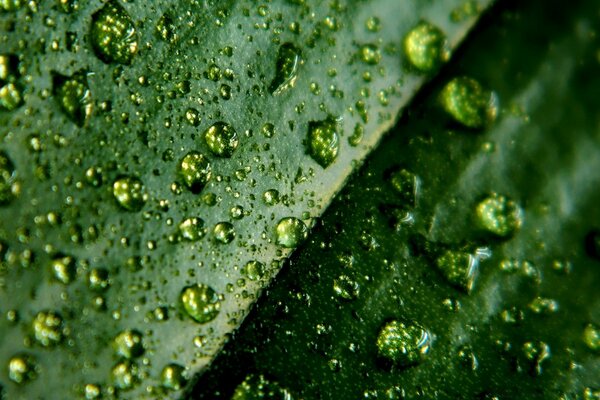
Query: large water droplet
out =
(172, 377)
(125, 375)
(591, 337)
(74, 97)
(48, 328)
(288, 61)
(499, 215)
(403, 343)
(369, 54)
(195, 169)
(290, 232)
(256, 387)
(224, 232)
(130, 193)
(113, 34)
(459, 268)
(201, 303)
(468, 103)
(221, 139)
(128, 344)
(323, 141)
(426, 47)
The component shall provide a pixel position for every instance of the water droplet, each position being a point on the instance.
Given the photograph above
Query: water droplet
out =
(74, 97)
(224, 232)
(98, 279)
(192, 229)
(195, 169)
(221, 139)
(542, 305)
(166, 28)
(92, 391)
(591, 337)
(271, 197)
(113, 34)
(290, 232)
(406, 185)
(499, 215)
(128, 344)
(323, 141)
(63, 269)
(21, 368)
(125, 375)
(536, 353)
(256, 387)
(373, 24)
(369, 54)
(48, 328)
(268, 130)
(403, 343)
(468, 103)
(201, 303)
(254, 270)
(172, 377)
(11, 5)
(7, 172)
(459, 268)
(591, 394)
(130, 193)
(426, 47)
(10, 96)
(346, 288)
(288, 62)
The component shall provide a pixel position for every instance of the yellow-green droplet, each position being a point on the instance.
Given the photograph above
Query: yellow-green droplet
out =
(459, 268)
(403, 343)
(499, 215)
(48, 328)
(369, 54)
(323, 141)
(130, 193)
(73, 96)
(192, 229)
(129, 344)
(10, 96)
(468, 103)
(125, 375)
(426, 47)
(290, 232)
(346, 288)
(64, 269)
(255, 387)
(224, 232)
(196, 171)
(113, 34)
(201, 303)
(254, 270)
(288, 61)
(172, 377)
(21, 368)
(7, 172)
(221, 139)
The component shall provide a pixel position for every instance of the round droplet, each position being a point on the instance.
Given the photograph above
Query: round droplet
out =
(11, 96)
(92, 391)
(499, 215)
(268, 130)
(271, 197)
(98, 279)
(221, 139)
(201, 303)
(130, 193)
(426, 47)
(323, 141)
(224, 232)
(369, 54)
(63, 269)
(256, 387)
(125, 375)
(74, 97)
(128, 344)
(195, 169)
(468, 103)
(346, 288)
(406, 185)
(591, 337)
(172, 377)
(288, 62)
(290, 232)
(459, 268)
(192, 229)
(21, 368)
(254, 270)
(48, 328)
(592, 243)
(7, 172)
(403, 343)
(113, 34)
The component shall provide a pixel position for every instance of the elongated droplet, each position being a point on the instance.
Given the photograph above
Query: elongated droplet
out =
(288, 61)
(426, 47)
(74, 97)
(323, 141)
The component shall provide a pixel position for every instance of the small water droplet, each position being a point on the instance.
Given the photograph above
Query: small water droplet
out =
(468, 103)
(426, 47)
(73, 95)
(403, 343)
(406, 184)
(224, 232)
(21, 368)
(323, 141)
(48, 328)
(125, 375)
(542, 305)
(130, 193)
(591, 337)
(64, 269)
(290, 232)
(128, 344)
(222, 139)
(113, 34)
(92, 391)
(201, 303)
(192, 229)
(172, 377)
(459, 268)
(499, 215)
(271, 197)
(289, 58)
(254, 270)
(369, 54)
(536, 353)
(346, 288)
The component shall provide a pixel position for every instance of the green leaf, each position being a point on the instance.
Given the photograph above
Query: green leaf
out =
(459, 263)
(158, 161)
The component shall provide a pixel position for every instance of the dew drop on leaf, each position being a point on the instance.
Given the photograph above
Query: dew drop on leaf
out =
(254, 270)
(536, 353)
(426, 47)
(7, 172)
(468, 103)
(73, 96)
(290, 232)
(221, 139)
(403, 343)
(125, 375)
(406, 185)
(48, 328)
(346, 288)
(459, 268)
(591, 337)
(200, 302)
(192, 229)
(369, 54)
(499, 215)
(196, 171)
(128, 344)
(130, 193)
(63, 269)
(287, 64)
(323, 141)
(172, 377)
(21, 368)
(257, 387)
(224, 232)
(113, 34)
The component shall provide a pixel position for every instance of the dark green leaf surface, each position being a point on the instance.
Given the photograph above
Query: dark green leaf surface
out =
(527, 326)
(148, 151)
